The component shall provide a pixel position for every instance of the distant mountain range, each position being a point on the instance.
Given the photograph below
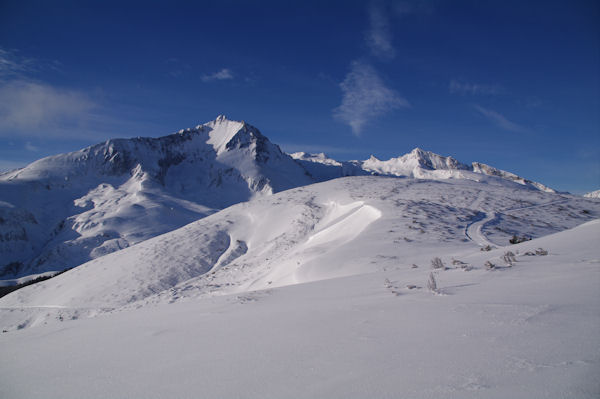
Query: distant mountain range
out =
(64, 210)
(593, 194)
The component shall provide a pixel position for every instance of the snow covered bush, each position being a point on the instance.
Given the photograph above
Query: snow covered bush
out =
(541, 252)
(436, 263)
(489, 265)
(432, 284)
(516, 239)
(509, 258)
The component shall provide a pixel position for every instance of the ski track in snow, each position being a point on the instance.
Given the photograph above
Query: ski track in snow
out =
(473, 231)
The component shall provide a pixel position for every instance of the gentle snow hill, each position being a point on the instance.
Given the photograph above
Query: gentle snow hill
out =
(341, 227)
(593, 194)
(64, 210)
(530, 330)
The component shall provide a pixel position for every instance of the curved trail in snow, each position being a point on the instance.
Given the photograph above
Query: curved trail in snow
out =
(474, 232)
(473, 229)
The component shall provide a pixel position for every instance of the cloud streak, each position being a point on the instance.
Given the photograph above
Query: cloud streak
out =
(365, 96)
(13, 65)
(457, 87)
(223, 74)
(500, 120)
(33, 109)
(378, 36)
(31, 147)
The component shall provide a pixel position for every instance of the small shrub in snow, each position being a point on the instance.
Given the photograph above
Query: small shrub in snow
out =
(489, 265)
(436, 263)
(541, 252)
(486, 248)
(414, 266)
(461, 264)
(516, 239)
(432, 284)
(509, 258)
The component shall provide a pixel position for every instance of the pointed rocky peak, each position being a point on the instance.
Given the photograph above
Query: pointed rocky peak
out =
(223, 132)
(431, 160)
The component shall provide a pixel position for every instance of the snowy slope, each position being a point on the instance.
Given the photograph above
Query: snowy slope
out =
(341, 227)
(64, 210)
(530, 330)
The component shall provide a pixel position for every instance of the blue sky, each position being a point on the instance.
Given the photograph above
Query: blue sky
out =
(513, 84)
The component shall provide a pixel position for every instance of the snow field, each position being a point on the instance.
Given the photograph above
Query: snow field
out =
(347, 226)
(528, 331)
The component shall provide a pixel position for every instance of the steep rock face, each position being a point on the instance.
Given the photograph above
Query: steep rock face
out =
(63, 210)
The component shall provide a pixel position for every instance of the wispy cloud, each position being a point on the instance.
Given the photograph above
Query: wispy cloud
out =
(33, 108)
(31, 147)
(177, 68)
(365, 96)
(223, 74)
(30, 108)
(500, 120)
(458, 87)
(378, 36)
(13, 65)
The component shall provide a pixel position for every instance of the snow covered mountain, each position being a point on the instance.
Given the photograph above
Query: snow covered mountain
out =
(64, 210)
(593, 194)
(324, 290)
(416, 164)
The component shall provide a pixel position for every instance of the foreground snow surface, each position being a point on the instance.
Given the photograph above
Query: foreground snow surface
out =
(528, 331)
(314, 292)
